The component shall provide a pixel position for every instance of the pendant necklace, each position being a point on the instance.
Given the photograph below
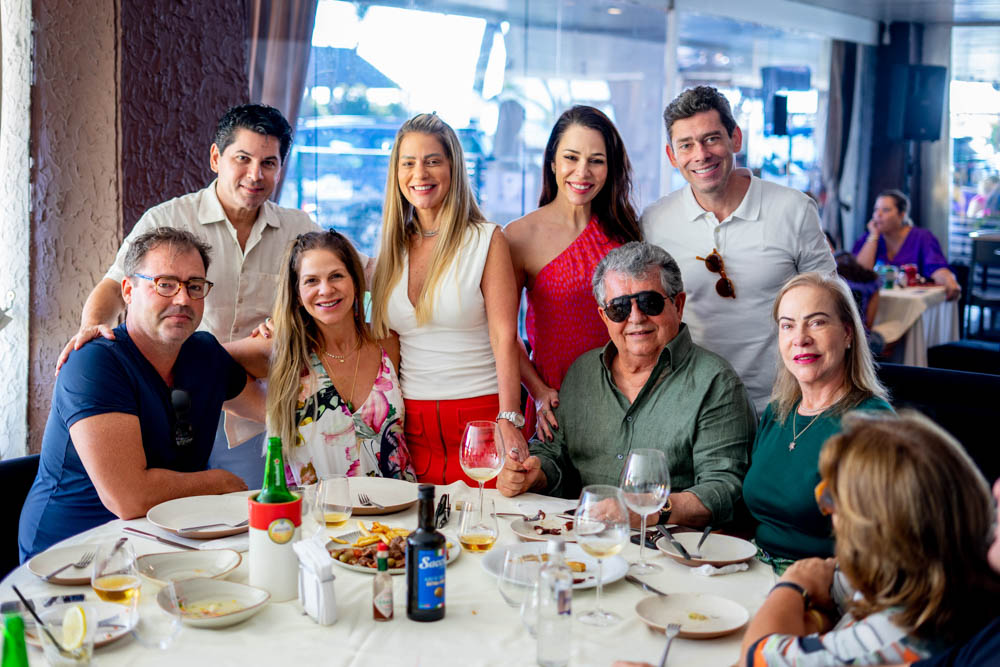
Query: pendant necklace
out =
(342, 358)
(427, 235)
(796, 436)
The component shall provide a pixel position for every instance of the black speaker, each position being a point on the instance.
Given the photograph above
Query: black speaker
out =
(916, 102)
(780, 116)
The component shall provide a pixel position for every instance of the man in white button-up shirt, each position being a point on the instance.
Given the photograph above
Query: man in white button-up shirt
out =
(248, 235)
(736, 238)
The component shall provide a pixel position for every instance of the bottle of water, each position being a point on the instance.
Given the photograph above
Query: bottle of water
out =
(555, 598)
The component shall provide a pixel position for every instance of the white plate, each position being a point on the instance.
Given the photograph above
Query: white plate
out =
(395, 494)
(722, 616)
(163, 568)
(51, 560)
(526, 529)
(454, 551)
(614, 568)
(180, 513)
(245, 601)
(718, 550)
(114, 615)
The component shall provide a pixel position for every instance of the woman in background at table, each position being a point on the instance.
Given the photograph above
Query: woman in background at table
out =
(585, 210)
(892, 239)
(913, 520)
(333, 394)
(444, 283)
(823, 375)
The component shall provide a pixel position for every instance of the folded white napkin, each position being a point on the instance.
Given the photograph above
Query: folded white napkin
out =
(239, 542)
(710, 571)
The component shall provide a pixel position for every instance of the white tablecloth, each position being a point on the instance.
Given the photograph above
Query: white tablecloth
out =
(918, 317)
(478, 628)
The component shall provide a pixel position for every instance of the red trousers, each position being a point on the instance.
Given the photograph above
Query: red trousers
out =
(434, 432)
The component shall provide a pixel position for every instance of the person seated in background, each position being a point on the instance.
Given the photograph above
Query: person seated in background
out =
(650, 386)
(133, 418)
(913, 520)
(983, 204)
(892, 239)
(333, 393)
(824, 373)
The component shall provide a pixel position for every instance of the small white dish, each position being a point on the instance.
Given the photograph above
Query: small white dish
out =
(162, 568)
(213, 603)
(178, 513)
(51, 560)
(718, 550)
(700, 616)
(613, 568)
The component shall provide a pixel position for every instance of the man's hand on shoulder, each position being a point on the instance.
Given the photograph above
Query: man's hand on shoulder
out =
(517, 478)
(86, 334)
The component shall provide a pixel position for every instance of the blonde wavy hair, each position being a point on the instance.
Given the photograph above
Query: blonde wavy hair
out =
(860, 378)
(913, 524)
(296, 335)
(398, 225)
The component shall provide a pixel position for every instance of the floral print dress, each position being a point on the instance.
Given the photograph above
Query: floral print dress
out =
(333, 440)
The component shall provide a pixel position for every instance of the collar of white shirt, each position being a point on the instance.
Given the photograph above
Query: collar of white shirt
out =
(210, 209)
(749, 208)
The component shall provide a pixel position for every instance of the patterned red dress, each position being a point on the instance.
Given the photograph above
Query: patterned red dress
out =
(562, 320)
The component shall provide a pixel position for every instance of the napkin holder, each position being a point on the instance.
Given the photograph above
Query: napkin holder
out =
(316, 581)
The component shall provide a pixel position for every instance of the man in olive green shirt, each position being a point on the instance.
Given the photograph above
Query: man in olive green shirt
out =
(649, 387)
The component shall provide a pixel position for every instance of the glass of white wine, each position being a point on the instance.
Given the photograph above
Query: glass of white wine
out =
(478, 531)
(333, 504)
(645, 483)
(601, 525)
(481, 453)
(115, 578)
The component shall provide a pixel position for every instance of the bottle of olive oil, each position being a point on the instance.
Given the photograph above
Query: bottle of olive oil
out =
(426, 558)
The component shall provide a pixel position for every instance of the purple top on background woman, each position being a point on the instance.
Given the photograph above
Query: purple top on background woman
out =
(920, 247)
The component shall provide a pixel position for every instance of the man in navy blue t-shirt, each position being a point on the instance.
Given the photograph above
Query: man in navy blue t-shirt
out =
(133, 419)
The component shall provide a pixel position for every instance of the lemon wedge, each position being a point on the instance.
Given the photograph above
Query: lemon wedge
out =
(74, 628)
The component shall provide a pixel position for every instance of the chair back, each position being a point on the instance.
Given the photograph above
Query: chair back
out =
(985, 258)
(961, 403)
(16, 477)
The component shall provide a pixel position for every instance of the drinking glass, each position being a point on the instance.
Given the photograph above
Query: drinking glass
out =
(518, 578)
(311, 525)
(79, 654)
(481, 453)
(529, 609)
(159, 624)
(115, 578)
(601, 525)
(477, 532)
(333, 503)
(645, 483)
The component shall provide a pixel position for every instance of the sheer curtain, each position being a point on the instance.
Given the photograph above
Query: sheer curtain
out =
(843, 58)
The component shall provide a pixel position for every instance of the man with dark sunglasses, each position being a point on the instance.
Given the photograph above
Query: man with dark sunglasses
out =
(133, 419)
(649, 387)
(737, 238)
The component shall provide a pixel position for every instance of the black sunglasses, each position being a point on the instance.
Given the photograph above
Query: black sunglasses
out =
(651, 303)
(183, 430)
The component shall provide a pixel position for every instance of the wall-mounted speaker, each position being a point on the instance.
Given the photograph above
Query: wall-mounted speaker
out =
(916, 102)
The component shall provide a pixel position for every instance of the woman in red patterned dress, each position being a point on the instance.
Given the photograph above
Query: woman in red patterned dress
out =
(585, 210)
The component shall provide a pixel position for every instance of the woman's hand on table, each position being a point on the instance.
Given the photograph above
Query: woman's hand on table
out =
(545, 419)
(815, 575)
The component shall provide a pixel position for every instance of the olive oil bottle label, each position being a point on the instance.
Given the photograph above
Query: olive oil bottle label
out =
(430, 578)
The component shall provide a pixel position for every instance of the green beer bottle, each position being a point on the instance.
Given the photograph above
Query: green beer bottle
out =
(274, 489)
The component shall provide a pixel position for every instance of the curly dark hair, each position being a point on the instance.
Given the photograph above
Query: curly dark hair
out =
(696, 100)
(258, 118)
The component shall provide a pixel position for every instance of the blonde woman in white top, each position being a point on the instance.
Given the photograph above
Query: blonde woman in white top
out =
(445, 284)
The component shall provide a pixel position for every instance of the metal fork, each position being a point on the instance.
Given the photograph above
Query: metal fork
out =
(368, 502)
(671, 632)
(84, 561)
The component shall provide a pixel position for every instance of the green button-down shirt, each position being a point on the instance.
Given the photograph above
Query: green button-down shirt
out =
(693, 407)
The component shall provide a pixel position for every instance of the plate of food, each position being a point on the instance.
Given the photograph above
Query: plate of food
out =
(395, 495)
(356, 550)
(212, 603)
(162, 568)
(542, 529)
(718, 550)
(584, 566)
(114, 621)
(700, 616)
(214, 516)
(51, 560)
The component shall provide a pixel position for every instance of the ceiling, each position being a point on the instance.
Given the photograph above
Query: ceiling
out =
(916, 11)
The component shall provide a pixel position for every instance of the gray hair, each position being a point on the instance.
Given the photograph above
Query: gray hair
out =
(178, 239)
(637, 260)
(696, 100)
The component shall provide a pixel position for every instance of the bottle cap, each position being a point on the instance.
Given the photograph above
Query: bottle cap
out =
(382, 547)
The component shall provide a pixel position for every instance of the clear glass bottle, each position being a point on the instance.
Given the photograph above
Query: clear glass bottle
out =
(555, 599)
(382, 587)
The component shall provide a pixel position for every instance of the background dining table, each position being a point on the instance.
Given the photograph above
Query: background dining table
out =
(479, 628)
(917, 317)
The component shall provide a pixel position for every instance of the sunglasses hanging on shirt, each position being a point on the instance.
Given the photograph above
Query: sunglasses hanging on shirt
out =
(724, 287)
(183, 431)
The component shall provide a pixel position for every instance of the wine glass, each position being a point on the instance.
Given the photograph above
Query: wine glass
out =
(518, 578)
(481, 453)
(645, 483)
(601, 525)
(333, 504)
(477, 531)
(115, 577)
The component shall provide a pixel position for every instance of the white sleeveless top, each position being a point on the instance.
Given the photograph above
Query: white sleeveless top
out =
(450, 356)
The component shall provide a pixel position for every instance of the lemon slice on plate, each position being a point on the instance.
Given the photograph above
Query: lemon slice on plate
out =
(74, 628)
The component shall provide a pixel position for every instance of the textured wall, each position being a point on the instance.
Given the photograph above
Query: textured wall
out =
(183, 65)
(15, 128)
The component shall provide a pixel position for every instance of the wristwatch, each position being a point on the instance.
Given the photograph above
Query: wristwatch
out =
(515, 418)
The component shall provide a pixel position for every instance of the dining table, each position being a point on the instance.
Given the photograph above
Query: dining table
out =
(479, 628)
(916, 318)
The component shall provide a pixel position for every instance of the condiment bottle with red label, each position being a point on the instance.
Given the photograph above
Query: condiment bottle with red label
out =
(382, 587)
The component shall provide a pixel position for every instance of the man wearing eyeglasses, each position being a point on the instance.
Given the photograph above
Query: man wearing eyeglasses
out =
(649, 387)
(737, 238)
(133, 418)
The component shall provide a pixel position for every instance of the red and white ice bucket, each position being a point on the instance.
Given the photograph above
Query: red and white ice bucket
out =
(274, 527)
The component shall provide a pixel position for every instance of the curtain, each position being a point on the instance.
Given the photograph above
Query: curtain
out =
(843, 62)
(280, 45)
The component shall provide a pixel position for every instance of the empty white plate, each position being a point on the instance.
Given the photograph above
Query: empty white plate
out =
(163, 568)
(213, 603)
(700, 616)
(51, 560)
(718, 550)
(173, 515)
(394, 495)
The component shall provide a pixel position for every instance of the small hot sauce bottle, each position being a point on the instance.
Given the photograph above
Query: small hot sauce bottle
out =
(382, 587)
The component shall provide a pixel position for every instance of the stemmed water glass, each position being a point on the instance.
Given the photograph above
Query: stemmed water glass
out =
(645, 483)
(481, 454)
(601, 526)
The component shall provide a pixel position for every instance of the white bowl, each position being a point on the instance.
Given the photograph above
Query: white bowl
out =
(235, 602)
(163, 568)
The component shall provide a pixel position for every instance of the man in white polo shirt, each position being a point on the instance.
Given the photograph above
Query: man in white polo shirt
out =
(736, 238)
(248, 234)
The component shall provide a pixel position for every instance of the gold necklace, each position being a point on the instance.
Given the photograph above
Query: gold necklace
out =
(354, 381)
(343, 357)
(796, 436)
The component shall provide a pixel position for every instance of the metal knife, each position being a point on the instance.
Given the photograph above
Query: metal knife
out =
(643, 585)
(676, 545)
(162, 540)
